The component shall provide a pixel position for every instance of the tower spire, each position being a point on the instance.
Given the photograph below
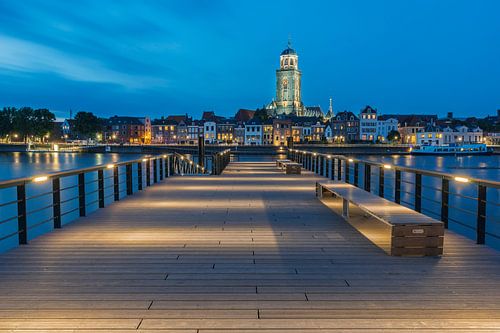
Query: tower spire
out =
(289, 41)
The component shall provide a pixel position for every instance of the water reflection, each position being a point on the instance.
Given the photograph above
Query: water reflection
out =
(18, 165)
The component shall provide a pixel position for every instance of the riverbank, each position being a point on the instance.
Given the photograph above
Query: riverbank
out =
(356, 149)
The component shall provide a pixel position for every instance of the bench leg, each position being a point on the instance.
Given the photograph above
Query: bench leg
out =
(345, 208)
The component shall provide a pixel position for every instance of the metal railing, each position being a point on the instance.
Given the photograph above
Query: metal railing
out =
(32, 206)
(220, 161)
(471, 204)
(183, 165)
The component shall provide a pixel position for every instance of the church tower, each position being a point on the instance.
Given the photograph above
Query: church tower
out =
(288, 84)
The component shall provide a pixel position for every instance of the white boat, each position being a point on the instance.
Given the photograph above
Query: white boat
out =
(452, 149)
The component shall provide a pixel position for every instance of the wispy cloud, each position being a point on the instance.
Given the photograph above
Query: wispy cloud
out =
(25, 56)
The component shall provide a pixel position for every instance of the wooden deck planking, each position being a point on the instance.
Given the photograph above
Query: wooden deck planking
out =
(249, 251)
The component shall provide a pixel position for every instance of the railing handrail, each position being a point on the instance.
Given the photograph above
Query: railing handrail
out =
(488, 183)
(72, 172)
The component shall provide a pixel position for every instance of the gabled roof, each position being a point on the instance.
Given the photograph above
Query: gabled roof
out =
(116, 120)
(244, 115)
(345, 116)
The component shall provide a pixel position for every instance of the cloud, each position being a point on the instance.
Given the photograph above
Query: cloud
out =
(25, 56)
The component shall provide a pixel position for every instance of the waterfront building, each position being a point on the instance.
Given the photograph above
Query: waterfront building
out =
(306, 132)
(385, 125)
(329, 132)
(435, 135)
(317, 132)
(410, 125)
(239, 134)
(194, 130)
(253, 132)
(182, 132)
(164, 131)
(267, 133)
(210, 131)
(368, 124)
(492, 138)
(345, 127)
(282, 129)
(225, 132)
(68, 128)
(297, 133)
(134, 130)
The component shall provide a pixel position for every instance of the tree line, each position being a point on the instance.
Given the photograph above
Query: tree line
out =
(27, 124)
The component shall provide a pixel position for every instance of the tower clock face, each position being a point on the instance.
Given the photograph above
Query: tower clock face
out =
(285, 82)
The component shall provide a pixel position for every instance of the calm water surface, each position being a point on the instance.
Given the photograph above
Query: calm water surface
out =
(19, 165)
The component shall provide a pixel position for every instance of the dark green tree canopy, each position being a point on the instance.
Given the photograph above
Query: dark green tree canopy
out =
(86, 125)
(393, 136)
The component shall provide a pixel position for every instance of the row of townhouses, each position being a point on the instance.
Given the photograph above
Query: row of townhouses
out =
(245, 129)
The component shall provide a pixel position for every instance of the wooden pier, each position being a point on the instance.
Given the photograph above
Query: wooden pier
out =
(251, 250)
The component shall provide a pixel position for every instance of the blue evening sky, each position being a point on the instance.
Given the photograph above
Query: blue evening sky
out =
(185, 56)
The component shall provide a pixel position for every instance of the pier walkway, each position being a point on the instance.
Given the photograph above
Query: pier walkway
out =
(252, 250)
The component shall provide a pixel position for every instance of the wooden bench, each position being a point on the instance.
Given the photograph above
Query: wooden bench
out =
(281, 163)
(290, 167)
(293, 168)
(406, 232)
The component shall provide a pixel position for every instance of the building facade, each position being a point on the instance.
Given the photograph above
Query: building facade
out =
(368, 124)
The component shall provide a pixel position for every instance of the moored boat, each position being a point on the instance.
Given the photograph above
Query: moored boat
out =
(452, 149)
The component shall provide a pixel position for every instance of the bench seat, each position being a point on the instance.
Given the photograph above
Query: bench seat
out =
(408, 232)
(290, 167)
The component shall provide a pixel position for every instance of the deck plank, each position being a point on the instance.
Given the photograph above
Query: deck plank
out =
(249, 251)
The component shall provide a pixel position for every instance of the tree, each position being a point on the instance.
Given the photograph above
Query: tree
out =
(22, 122)
(86, 125)
(393, 136)
(6, 116)
(42, 123)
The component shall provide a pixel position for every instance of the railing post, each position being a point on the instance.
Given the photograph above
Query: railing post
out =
(56, 202)
(162, 161)
(155, 170)
(321, 165)
(116, 183)
(148, 172)
(81, 194)
(339, 169)
(346, 172)
(381, 181)
(139, 176)
(128, 175)
(418, 192)
(368, 177)
(445, 194)
(22, 227)
(100, 187)
(356, 173)
(397, 187)
(481, 214)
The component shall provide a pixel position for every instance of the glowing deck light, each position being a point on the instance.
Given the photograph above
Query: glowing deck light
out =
(165, 156)
(110, 166)
(40, 179)
(144, 159)
(351, 160)
(190, 162)
(329, 156)
(315, 154)
(387, 166)
(462, 179)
